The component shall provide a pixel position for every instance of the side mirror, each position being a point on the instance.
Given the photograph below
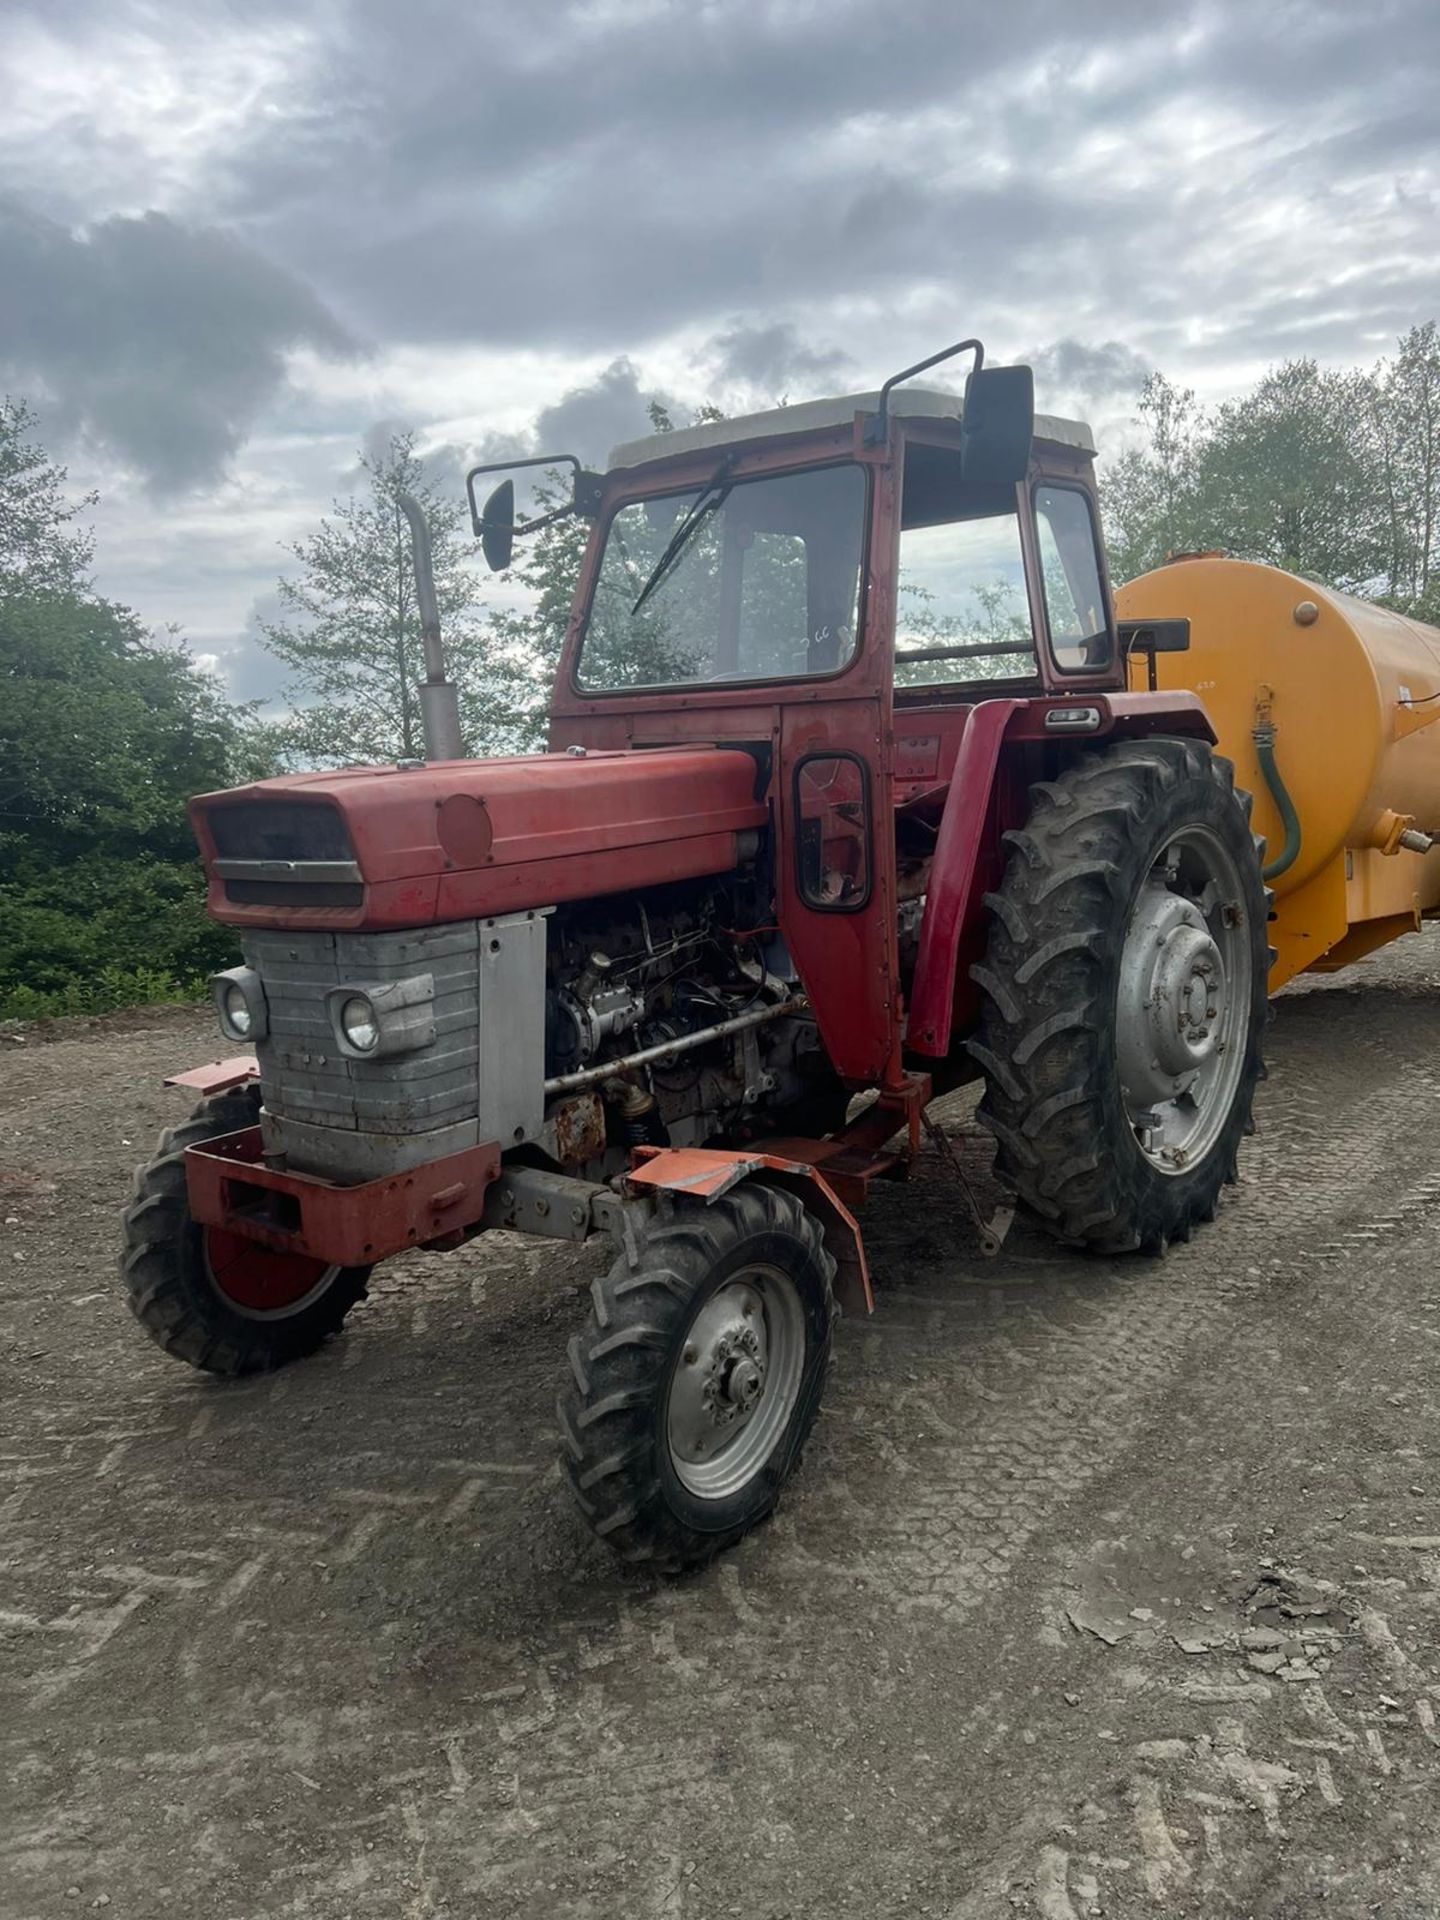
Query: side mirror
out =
(997, 426)
(497, 527)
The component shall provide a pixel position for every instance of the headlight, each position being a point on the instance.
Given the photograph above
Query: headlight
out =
(239, 1000)
(238, 1016)
(373, 1021)
(358, 1023)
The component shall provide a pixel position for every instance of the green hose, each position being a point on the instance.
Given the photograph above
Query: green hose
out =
(1264, 738)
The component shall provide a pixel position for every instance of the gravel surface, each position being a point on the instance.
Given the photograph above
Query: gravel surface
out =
(1106, 1587)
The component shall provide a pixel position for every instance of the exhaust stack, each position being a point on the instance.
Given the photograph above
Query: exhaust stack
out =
(439, 701)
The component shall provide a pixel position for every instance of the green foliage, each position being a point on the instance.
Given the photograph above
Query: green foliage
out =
(1332, 475)
(104, 736)
(1405, 411)
(1288, 476)
(101, 933)
(1150, 493)
(41, 546)
(350, 634)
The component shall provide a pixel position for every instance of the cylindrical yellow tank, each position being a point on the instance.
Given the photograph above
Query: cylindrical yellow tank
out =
(1347, 687)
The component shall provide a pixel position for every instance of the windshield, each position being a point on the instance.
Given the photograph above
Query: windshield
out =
(763, 583)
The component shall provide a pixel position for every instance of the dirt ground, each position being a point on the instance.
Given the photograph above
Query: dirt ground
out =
(1105, 1588)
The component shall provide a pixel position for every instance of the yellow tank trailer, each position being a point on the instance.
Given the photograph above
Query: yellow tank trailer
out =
(1330, 709)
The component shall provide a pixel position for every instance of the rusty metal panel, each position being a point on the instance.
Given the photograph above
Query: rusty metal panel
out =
(230, 1186)
(704, 1173)
(579, 1124)
(219, 1076)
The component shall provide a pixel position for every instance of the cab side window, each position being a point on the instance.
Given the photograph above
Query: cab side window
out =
(962, 613)
(1070, 570)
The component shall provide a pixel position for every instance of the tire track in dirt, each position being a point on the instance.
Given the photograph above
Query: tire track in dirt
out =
(359, 1706)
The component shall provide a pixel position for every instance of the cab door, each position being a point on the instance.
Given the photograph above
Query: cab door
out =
(835, 841)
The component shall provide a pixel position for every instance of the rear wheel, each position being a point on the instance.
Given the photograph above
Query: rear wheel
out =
(1125, 995)
(223, 1302)
(698, 1377)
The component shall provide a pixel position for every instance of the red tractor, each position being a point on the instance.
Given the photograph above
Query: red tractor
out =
(845, 795)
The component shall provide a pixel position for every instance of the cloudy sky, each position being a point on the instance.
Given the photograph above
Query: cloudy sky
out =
(235, 237)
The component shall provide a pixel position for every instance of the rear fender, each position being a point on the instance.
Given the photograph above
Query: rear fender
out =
(702, 1174)
(992, 726)
(952, 875)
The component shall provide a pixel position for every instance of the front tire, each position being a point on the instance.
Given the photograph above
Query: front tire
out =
(1124, 996)
(224, 1303)
(698, 1377)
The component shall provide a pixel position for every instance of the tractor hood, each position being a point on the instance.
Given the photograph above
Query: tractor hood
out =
(387, 847)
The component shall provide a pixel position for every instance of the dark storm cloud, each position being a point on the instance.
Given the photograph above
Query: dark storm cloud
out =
(773, 358)
(161, 342)
(756, 199)
(1105, 372)
(588, 177)
(590, 419)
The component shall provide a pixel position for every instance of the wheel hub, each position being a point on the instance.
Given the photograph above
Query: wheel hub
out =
(1182, 1000)
(744, 1384)
(732, 1366)
(735, 1382)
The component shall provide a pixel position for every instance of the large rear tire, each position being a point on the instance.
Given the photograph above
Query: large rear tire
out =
(1124, 995)
(698, 1377)
(220, 1301)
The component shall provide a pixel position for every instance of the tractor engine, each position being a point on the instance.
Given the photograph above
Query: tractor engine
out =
(667, 1016)
(652, 977)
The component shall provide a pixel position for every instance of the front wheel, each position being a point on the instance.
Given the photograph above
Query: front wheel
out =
(224, 1303)
(698, 1377)
(1124, 989)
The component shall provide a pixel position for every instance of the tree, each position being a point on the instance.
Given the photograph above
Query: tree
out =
(1292, 474)
(350, 633)
(1405, 410)
(105, 733)
(1149, 497)
(1289, 476)
(41, 546)
(104, 736)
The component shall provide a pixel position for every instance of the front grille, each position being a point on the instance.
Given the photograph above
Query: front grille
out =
(294, 890)
(393, 1108)
(279, 830)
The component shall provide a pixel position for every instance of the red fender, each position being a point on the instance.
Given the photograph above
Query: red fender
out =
(218, 1078)
(952, 875)
(704, 1173)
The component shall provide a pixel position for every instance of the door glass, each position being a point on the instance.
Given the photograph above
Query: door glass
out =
(833, 816)
(961, 612)
(1074, 597)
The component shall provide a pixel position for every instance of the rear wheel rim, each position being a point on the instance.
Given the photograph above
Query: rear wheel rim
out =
(1183, 1002)
(258, 1282)
(736, 1382)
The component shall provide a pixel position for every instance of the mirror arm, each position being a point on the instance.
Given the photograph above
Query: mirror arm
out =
(584, 498)
(877, 429)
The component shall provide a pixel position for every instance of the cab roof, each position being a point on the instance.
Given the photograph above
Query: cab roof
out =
(815, 416)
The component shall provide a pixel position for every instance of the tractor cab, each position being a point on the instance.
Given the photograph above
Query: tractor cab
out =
(839, 587)
(787, 547)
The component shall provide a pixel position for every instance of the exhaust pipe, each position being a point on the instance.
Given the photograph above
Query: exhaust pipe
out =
(439, 701)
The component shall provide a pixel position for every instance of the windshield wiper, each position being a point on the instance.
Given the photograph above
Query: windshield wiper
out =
(710, 497)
